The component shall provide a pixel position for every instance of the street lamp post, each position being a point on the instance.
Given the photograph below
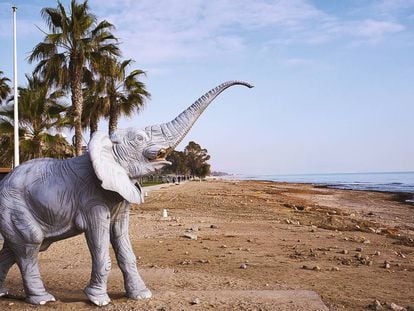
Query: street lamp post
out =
(16, 98)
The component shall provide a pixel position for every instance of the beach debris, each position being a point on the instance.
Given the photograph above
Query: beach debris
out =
(195, 301)
(344, 251)
(334, 269)
(386, 265)
(195, 228)
(399, 254)
(164, 213)
(213, 226)
(223, 246)
(314, 268)
(395, 307)
(359, 249)
(377, 253)
(243, 266)
(376, 305)
(190, 235)
(186, 262)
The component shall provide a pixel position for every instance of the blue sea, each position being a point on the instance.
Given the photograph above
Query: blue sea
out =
(388, 182)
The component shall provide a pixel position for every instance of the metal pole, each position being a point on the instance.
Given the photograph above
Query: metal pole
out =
(16, 95)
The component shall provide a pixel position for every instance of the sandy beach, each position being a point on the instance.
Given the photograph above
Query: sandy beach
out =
(350, 247)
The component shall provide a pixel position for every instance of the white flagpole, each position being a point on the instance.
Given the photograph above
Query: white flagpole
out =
(16, 98)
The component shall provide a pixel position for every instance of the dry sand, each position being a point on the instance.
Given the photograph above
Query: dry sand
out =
(289, 236)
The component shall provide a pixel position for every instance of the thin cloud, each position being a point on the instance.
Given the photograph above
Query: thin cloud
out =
(172, 30)
(299, 62)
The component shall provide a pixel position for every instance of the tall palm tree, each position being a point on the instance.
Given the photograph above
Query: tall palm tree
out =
(4, 86)
(40, 112)
(125, 94)
(76, 43)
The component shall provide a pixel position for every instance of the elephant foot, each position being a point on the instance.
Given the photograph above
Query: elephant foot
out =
(99, 299)
(40, 299)
(140, 294)
(3, 291)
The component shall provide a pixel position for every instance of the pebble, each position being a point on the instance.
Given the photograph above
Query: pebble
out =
(377, 253)
(223, 246)
(345, 251)
(214, 227)
(359, 249)
(195, 301)
(335, 269)
(387, 265)
(243, 266)
(317, 268)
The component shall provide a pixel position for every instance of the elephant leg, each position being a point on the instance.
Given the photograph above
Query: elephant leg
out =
(7, 260)
(134, 285)
(97, 222)
(27, 259)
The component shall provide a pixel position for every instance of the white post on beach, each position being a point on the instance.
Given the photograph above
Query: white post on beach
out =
(164, 213)
(16, 99)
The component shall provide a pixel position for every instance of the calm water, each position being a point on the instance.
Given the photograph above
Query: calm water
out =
(391, 182)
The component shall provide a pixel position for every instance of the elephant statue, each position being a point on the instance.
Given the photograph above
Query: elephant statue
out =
(46, 200)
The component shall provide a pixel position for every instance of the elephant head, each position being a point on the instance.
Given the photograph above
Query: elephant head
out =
(129, 153)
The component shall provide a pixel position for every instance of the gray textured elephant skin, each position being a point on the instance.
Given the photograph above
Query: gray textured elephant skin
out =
(47, 200)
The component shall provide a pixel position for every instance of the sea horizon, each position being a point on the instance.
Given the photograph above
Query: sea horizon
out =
(400, 181)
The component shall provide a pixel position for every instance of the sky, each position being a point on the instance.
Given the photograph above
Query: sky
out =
(333, 79)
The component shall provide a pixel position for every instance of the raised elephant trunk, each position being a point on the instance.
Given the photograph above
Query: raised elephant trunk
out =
(174, 131)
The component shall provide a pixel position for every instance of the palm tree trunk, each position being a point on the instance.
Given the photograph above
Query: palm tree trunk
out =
(113, 116)
(93, 124)
(77, 102)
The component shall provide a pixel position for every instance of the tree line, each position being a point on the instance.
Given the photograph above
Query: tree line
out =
(79, 59)
(190, 162)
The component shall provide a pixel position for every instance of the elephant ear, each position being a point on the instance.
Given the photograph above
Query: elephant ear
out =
(113, 176)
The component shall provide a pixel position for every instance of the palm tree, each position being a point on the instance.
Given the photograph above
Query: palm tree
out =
(76, 43)
(40, 112)
(4, 87)
(125, 94)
